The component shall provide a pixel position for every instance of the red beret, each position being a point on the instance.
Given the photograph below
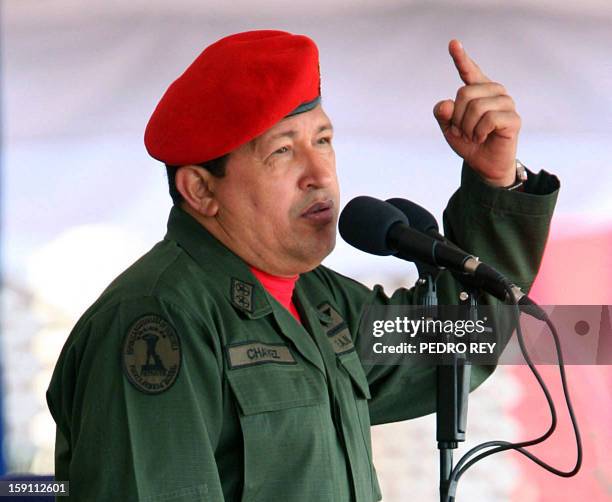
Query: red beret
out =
(235, 90)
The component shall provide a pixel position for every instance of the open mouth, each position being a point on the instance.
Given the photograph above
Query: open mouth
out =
(320, 211)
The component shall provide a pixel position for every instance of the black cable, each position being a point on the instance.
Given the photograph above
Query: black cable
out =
(549, 400)
(462, 466)
(518, 446)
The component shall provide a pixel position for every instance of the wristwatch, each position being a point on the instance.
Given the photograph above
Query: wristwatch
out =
(521, 177)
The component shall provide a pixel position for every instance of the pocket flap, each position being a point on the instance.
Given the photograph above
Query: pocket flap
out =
(351, 363)
(270, 387)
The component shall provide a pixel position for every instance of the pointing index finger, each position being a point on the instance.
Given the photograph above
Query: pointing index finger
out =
(469, 71)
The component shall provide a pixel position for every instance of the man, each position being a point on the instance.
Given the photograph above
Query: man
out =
(217, 366)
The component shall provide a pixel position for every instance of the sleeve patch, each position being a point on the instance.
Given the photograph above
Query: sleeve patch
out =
(151, 354)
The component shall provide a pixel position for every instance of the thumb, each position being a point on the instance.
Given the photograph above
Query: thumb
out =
(443, 112)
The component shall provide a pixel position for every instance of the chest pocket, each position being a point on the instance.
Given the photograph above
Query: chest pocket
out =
(282, 419)
(266, 387)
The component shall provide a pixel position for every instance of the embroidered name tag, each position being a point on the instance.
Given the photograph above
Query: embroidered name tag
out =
(342, 341)
(249, 353)
(336, 329)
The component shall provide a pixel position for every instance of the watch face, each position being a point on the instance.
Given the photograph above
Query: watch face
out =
(521, 171)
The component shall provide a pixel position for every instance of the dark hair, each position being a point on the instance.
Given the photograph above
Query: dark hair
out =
(216, 167)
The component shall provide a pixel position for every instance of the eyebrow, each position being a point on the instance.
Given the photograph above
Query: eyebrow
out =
(292, 132)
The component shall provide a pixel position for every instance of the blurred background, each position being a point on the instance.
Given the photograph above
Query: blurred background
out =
(81, 199)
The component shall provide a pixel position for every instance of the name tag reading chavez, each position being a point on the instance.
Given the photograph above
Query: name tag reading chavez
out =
(250, 353)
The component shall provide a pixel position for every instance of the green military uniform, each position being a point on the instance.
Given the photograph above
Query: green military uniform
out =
(187, 381)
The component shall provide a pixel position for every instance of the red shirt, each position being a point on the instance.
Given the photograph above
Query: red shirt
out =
(281, 288)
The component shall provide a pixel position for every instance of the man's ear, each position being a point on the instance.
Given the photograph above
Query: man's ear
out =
(196, 185)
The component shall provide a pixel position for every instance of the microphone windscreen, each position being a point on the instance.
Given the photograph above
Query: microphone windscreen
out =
(420, 218)
(365, 222)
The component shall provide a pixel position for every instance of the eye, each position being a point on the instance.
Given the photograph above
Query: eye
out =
(281, 150)
(325, 140)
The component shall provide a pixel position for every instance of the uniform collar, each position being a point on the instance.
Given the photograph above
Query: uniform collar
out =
(227, 269)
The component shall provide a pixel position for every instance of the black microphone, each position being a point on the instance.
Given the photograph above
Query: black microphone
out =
(421, 219)
(365, 223)
(378, 227)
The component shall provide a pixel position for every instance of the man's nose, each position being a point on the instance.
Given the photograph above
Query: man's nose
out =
(318, 169)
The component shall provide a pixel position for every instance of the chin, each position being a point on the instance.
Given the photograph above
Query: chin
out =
(314, 259)
(331, 246)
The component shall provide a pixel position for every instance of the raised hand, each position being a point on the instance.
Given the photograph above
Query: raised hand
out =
(481, 125)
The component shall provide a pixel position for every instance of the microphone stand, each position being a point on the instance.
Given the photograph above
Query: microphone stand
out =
(453, 388)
